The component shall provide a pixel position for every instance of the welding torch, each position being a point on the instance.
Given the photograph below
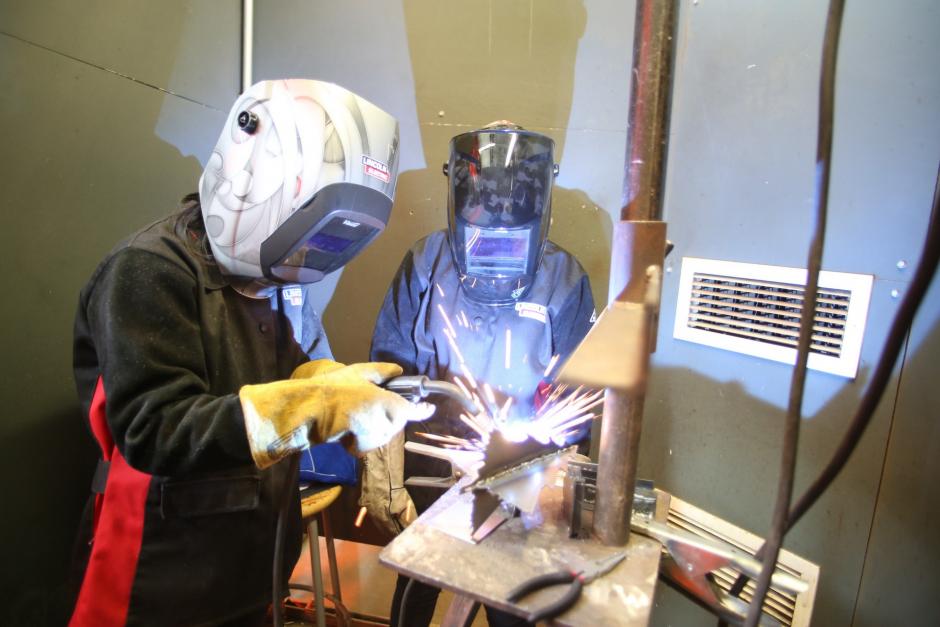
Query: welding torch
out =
(418, 387)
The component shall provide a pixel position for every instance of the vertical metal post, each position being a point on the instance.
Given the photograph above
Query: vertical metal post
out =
(248, 36)
(632, 253)
(313, 540)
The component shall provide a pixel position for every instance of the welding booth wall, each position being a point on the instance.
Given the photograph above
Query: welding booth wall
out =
(109, 109)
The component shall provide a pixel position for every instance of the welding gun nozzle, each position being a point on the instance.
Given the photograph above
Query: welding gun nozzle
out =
(419, 387)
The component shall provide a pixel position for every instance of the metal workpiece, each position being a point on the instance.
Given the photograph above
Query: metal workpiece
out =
(615, 355)
(690, 560)
(434, 550)
(580, 498)
(638, 252)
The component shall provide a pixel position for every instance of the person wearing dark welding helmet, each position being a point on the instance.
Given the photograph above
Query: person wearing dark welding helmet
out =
(490, 298)
(200, 366)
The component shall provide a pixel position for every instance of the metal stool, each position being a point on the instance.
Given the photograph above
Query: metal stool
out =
(314, 499)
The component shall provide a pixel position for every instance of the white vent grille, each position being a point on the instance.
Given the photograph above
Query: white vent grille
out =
(788, 609)
(755, 309)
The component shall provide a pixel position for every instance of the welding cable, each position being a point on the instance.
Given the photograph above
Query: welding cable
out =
(403, 604)
(277, 576)
(791, 433)
(881, 375)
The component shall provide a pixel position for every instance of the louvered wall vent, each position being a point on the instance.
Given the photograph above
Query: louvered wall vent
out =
(755, 309)
(786, 608)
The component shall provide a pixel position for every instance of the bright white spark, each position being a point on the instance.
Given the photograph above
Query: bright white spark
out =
(447, 319)
(504, 411)
(469, 376)
(508, 360)
(551, 364)
(453, 345)
(488, 392)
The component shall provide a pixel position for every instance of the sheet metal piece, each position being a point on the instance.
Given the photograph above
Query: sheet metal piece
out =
(504, 457)
(638, 268)
(512, 472)
(428, 551)
(614, 352)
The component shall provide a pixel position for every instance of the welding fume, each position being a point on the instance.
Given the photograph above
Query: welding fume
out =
(201, 367)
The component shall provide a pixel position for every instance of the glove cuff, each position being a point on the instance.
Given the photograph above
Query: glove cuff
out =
(266, 444)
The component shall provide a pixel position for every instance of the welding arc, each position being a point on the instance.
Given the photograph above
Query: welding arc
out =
(881, 375)
(791, 433)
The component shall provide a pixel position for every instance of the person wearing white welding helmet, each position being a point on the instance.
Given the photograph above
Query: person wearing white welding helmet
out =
(490, 300)
(199, 370)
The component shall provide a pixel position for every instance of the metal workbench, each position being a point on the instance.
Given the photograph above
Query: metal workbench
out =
(433, 550)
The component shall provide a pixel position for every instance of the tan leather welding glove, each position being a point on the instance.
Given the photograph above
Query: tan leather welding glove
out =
(325, 401)
(383, 491)
(314, 367)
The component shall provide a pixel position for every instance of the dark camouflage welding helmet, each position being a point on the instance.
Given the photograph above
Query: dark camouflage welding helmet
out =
(498, 208)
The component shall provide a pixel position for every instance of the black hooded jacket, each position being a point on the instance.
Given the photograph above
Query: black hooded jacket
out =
(182, 533)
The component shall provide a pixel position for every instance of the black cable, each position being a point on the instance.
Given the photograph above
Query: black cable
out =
(283, 337)
(277, 577)
(923, 276)
(791, 434)
(403, 604)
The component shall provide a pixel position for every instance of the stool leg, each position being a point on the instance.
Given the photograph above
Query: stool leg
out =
(331, 554)
(313, 538)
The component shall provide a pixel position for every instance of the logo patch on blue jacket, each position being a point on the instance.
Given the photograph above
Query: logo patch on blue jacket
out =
(533, 311)
(294, 295)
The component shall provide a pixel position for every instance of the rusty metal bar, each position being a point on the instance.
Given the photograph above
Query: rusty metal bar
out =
(643, 244)
(648, 122)
(618, 448)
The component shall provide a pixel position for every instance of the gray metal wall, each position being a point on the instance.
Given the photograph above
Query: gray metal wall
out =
(740, 184)
(108, 108)
(103, 107)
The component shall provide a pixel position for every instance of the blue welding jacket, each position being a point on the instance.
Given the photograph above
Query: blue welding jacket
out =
(508, 347)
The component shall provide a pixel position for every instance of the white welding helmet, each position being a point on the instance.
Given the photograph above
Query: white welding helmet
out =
(301, 180)
(499, 208)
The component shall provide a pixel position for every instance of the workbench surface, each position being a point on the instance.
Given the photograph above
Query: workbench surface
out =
(487, 571)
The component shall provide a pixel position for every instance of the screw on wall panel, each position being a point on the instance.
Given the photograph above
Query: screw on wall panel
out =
(895, 293)
(901, 264)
